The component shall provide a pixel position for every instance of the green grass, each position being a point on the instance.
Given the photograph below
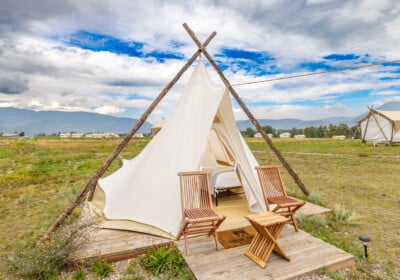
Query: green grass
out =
(167, 260)
(102, 269)
(47, 260)
(360, 178)
(39, 178)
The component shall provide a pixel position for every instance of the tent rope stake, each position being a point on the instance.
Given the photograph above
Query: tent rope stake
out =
(90, 186)
(294, 175)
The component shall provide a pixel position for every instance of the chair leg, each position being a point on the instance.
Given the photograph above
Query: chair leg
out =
(293, 219)
(216, 239)
(290, 215)
(186, 244)
(296, 228)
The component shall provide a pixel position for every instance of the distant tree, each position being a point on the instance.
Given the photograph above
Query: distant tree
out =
(322, 132)
(21, 134)
(341, 129)
(269, 130)
(249, 132)
(296, 131)
(354, 132)
(310, 132)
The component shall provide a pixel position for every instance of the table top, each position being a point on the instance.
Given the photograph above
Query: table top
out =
(267, 218)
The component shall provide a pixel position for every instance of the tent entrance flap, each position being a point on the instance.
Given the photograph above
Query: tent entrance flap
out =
(218, 149)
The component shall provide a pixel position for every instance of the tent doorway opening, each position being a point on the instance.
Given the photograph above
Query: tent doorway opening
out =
(234, 207)
(226, 182)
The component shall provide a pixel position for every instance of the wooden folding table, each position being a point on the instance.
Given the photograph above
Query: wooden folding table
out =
(269, 226)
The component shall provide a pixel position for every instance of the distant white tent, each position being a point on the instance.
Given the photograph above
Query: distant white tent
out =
(143, 195)
(380, 127)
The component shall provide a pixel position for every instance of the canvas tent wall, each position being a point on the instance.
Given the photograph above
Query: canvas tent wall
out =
(156, 128)
(143, 195)
(380, 127)
(218, 151)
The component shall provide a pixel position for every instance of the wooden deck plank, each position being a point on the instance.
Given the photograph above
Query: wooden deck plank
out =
(308, 254)
(116, 244)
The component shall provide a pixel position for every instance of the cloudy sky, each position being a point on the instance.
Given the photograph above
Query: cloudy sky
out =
(114, 57)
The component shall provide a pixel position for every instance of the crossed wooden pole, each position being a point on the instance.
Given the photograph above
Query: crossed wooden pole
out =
(91, 184)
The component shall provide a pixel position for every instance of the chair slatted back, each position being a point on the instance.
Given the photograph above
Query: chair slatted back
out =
(271, 181)
(195, 190)
(274, 193)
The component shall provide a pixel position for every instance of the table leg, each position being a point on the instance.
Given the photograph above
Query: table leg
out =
(264, 242)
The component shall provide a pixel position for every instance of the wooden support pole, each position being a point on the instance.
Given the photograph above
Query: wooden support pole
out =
(90, 186)
(366, 127)
(380, 127)
(246, 110)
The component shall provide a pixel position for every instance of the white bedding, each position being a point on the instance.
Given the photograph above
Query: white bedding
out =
(227, 180)
(222, 178)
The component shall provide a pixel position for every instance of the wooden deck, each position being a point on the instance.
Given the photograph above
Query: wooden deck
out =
(116, 245)
(306, 252)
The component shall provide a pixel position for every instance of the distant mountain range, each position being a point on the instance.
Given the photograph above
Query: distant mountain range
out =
(390, 106)
(296, 123)
(50, 122)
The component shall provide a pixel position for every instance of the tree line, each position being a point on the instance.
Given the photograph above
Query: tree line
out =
(321, 131)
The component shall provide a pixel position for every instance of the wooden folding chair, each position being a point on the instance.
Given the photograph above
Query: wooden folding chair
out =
(274, 193)
(197, 214)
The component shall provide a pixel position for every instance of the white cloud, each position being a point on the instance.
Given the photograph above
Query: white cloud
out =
(108, 110)
(68, 76)
(387, 92)
(55, 76)
(299, 112)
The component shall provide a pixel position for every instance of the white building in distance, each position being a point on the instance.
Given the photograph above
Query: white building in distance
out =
(339, 137)
(258, 135)
(284, 135)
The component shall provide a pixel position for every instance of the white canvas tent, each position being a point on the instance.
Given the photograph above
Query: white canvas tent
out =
(221, 99)
(380, 127)
(143, 195)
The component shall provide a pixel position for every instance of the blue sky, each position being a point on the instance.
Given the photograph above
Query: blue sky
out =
(115, 58)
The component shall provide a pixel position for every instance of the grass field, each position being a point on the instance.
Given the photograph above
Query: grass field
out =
(361, 178)
(40, 177)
